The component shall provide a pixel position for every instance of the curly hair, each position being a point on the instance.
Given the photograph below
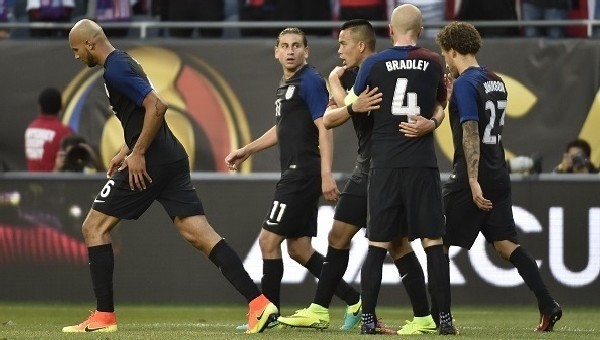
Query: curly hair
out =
(460, 36)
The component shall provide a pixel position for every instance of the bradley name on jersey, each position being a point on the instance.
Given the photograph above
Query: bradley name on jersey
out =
(406, 64)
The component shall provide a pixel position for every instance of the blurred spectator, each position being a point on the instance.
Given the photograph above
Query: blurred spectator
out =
(576, 159)
(305, 10)
(192, 10)
(471, 10)
(545, 10)
(76, 155)
(43, 135)
(58, 11)
(372, 10)
(432, 11)
(257, 10)
(103, 11)
(5, 13)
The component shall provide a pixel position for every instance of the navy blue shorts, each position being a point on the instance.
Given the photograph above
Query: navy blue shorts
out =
(293, 212)
(464, 220)
(171, 186)
(351, 208)
(405, 202)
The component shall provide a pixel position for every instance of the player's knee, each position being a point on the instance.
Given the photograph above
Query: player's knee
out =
(300, 253)
(339, 240)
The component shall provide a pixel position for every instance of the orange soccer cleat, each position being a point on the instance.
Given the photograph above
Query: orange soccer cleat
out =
(96, 322)
(262, 311)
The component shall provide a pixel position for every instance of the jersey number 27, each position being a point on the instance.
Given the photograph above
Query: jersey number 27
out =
(493, 134)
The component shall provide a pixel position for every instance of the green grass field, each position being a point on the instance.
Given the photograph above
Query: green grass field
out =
(44, 321)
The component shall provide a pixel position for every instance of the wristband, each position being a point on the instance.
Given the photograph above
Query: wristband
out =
(435, 122)
(350, 110)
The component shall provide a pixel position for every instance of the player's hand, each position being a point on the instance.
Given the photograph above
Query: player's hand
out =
(114, 164)
(481, 202)
(449, 82)
(136, 165)
(235, 158)
(337, 73)
(329, 187)
(417, 126)
(368, 100)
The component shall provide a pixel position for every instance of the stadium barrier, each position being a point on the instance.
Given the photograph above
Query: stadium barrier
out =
(43, 258)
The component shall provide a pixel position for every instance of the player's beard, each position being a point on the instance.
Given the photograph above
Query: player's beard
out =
(90, 61)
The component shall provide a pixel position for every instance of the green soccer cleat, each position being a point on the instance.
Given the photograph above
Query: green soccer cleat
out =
(352, 316)
(419, 325)
(314, 316)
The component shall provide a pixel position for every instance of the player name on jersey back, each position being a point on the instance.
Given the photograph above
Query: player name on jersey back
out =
(493, 86)
(406, 64)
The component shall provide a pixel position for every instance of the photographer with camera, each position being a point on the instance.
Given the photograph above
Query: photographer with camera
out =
(576, 159)
(76, 155)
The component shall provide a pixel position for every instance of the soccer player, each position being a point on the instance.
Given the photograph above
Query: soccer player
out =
(356, 43)
(305, 149)
(151, 166)
(477, 197)
(404, 194)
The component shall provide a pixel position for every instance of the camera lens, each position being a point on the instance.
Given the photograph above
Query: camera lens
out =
(578, 160)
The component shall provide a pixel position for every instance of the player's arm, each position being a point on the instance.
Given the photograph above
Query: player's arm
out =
(336, 89)
(368, 100)
(328, 185)
(420, 126)
(332, 117)
(154, 115)
(471, 148)
(417, 125)
(237, 157)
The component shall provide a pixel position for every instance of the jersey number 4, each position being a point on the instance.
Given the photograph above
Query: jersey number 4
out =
(493, 134)
(399, 107)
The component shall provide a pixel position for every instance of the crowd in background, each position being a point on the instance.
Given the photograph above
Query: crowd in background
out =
(119, 11)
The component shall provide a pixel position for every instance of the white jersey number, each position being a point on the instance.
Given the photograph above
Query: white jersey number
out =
(494, 108)
(399, 107)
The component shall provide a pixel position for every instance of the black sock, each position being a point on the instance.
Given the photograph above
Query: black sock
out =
(271, 280)
(102, 264)
(438, 271)
(342, 290)
(530, 273)
(333, 270)
(370, 278)
(228, 261)
(413, 279)
(435, 314)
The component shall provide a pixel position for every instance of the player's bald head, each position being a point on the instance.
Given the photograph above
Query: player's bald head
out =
(85, 29)
(406, 18)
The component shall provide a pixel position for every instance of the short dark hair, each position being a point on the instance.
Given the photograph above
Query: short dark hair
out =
(293, 30)
(581, 144)
(50, 101)
(363, 29)
(460, 36)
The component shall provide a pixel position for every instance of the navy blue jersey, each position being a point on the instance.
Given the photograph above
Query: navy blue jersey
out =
(363, 126)
(300, 101)
(127, 85)
(480, 95)
(411, 80)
